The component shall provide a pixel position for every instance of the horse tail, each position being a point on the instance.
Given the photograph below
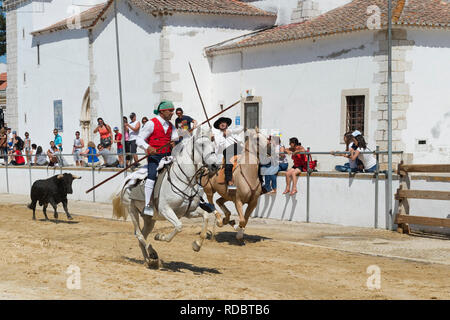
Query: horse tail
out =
(120, 208)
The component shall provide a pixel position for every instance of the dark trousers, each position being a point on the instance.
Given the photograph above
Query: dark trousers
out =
(228, 153)
(153, 162)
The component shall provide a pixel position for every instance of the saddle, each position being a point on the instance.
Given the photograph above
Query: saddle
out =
(138, 193)
(221, 173)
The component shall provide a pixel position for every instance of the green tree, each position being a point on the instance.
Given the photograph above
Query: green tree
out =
(2, 30)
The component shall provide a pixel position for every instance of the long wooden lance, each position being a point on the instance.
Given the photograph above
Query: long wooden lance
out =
(164, 146)
(199, 95)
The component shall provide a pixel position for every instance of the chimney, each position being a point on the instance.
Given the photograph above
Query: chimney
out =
(306, 10)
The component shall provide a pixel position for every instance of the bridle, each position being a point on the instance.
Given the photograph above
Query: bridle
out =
(191, 182)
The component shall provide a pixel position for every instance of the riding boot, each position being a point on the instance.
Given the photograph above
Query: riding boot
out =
(149, 184)
(229, 175)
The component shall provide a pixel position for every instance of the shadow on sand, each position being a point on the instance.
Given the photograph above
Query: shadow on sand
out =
(230, 238)
(58, 221)
(177, 266)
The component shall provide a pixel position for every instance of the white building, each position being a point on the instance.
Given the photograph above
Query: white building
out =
(308, 77)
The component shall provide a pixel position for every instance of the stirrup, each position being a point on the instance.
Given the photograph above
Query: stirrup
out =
(148, 211)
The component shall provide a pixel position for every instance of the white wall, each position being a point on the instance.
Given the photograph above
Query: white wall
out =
(349, 201)
(428, 116)
(301, 84)
(63, 73)
(187, 34)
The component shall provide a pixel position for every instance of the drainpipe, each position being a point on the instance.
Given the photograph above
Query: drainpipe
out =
(389, 170)
(120, 87)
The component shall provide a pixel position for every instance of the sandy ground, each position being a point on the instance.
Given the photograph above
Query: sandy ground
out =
(280, 260)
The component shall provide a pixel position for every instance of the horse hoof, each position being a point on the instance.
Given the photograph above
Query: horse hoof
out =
(159, 237)
(152, 264)
(70, 218)
(195, 246)
(232, 223)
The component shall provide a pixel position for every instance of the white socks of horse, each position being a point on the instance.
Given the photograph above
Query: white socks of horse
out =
(149, 184)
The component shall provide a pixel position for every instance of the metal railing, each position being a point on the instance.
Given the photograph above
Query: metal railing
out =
(377, 153)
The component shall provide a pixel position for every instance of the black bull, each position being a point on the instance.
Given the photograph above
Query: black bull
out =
(52, 190)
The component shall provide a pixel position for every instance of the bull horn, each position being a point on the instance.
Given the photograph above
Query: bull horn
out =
(60, 176)
(76, 177)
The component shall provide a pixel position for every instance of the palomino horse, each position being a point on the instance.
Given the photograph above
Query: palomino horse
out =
(179, 194)
(246, 179)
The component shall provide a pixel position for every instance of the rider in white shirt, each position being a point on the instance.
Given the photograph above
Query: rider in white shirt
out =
(228, 144)
(157, 139)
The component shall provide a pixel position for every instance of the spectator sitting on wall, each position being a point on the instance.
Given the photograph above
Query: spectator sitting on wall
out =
(352, 165)
(91, 153)
(17, 156)
(368, 160)
(51, 153)
(109, 159)
(40, 158)
(299, 165)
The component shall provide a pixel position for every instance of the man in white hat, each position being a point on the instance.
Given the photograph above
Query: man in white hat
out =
(157, 138)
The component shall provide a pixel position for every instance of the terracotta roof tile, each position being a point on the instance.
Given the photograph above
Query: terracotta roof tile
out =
(229, 7)
(87, 19)
(348, 18)
(90, 17)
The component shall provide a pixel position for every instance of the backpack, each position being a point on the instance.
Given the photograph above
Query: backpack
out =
(312, 163)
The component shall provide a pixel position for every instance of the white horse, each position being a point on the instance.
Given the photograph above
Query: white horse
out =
(179, 195)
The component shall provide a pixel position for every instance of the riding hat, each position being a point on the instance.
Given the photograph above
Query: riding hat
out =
(220, 120)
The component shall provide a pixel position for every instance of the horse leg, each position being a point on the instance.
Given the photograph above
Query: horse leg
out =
(251, 206)
(170, 215)
(134, 215)
(197, 244)
(221, 203)
(153, 257)
(218, 217)
(241, 227)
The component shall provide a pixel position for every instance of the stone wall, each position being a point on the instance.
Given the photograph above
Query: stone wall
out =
(12, 112)
(401, 95)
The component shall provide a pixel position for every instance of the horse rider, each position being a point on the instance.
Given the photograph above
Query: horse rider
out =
(228, 144)
(158, 132)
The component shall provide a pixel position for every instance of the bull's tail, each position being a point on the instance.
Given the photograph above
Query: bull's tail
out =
(120, 209)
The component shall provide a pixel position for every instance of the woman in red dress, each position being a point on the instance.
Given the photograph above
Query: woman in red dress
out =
(300, 164)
